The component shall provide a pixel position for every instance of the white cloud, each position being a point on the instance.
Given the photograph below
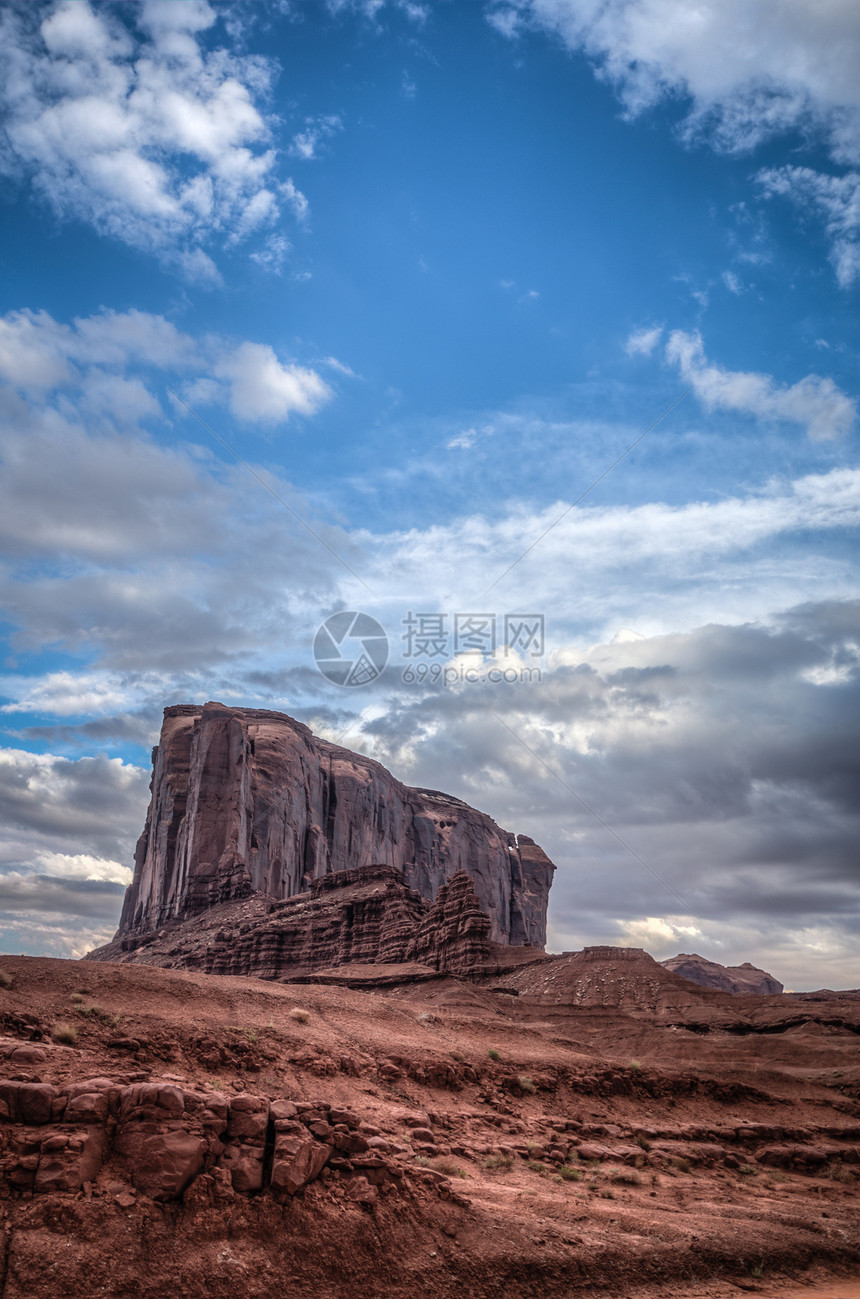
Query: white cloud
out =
(306, 144)
(120, 117)
(814, 402)
(89, 358)
(642, 342)
(262, 390)
(732, 283)
(836, 198)
(83, 866)
(751, 68)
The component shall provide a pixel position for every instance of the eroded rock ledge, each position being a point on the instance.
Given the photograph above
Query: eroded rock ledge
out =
(366, 917)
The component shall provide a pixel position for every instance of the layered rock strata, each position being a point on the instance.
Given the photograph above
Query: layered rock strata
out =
(247, 801)
(365, 916)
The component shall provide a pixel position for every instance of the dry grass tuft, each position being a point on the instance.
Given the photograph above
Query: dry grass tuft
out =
(300, 1015)
(65, 1033)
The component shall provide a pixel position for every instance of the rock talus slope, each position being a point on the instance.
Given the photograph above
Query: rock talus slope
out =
(247, 801)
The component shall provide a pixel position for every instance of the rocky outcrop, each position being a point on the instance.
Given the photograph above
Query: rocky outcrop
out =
(725, 978)
(246, 802)
(362, 917)
(159, 1138)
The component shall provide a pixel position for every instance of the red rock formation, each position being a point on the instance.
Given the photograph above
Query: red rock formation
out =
(365, 917)
(725, 978)
(246, 801)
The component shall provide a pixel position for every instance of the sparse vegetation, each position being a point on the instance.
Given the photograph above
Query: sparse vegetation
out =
(77, 998)
(747, 1170)
(216, 1084)
(568, 1174)
(626, 1177)
(635, 1066)
(300, 1015)
(526, 1084)
(642, 1142)
(423, 1160)
(499, 1163)
(493, 1054)
(64, 1033)
(5, 979)
(757, 1272)
(446, 1164)
(427, 1017)
(682, 1164)
(95, 1012)
(535, 1166)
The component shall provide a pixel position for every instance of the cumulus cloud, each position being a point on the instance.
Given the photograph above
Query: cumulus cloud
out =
(748, 70)
(87, 363)
(814, 402)
(751, 69)
(120, 117)
(262, 390)
(836, 198)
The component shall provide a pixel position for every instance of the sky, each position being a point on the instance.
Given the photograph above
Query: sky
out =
(527, 329)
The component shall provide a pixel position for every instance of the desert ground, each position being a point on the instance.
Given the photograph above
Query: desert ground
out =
(508, 1144)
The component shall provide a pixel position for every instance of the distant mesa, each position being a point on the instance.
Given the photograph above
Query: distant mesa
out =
(724, 978)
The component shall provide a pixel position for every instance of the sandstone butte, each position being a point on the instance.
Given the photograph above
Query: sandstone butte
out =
(247, 801)
(414, 1099)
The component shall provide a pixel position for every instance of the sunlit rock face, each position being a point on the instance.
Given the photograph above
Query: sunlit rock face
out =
(247, 801)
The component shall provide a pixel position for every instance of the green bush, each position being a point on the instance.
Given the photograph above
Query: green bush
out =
(493, 1054)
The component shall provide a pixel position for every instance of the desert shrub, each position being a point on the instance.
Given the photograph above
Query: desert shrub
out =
(96, 1012)
(626, 1177)
(65, 1033)
(457, 1055)
(5, 979)
(300, 1015)
(445, 1164)
(526, 1084)
(499, 1163)
(606, 1194)
(568, 1174)
(747, 1170)
(841, 1173)
(682, 1164)
(423, 1160)
(635, 1066)
(77, 998)
(216, 1084)
(493, 1054)
(757, 1272)
(642, 1142)
(536, 1166)
(427, 1017)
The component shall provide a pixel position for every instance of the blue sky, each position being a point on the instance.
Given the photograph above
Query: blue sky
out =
(426, 271)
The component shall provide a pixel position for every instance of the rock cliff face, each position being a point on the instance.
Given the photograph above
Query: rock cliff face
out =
(247, 802)
(725, 978)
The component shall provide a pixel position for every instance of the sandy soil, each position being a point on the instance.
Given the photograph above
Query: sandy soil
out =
(588, 1151)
